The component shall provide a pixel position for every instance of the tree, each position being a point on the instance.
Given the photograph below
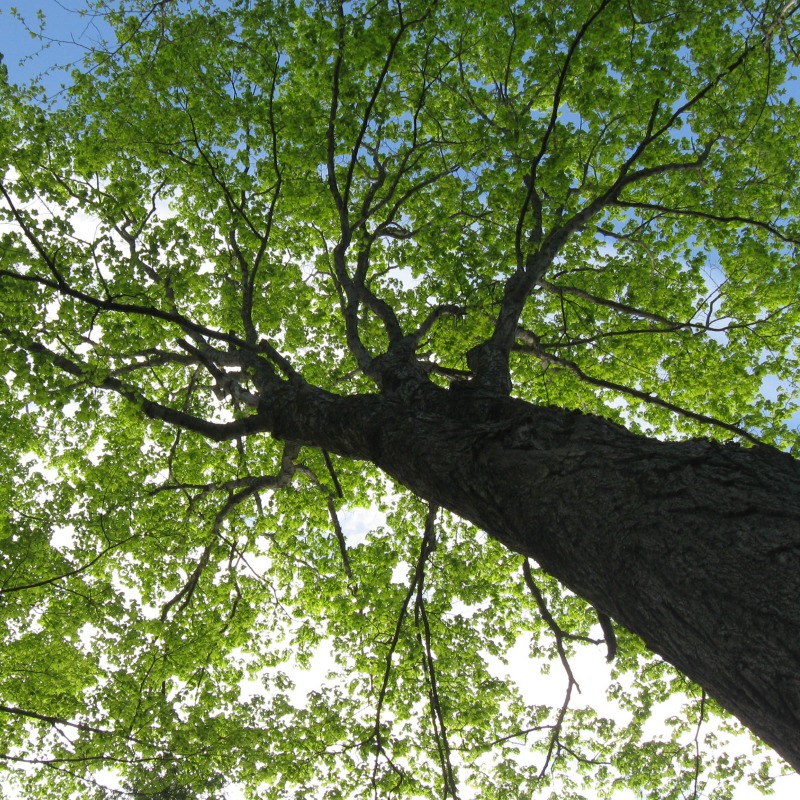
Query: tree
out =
(521, 269)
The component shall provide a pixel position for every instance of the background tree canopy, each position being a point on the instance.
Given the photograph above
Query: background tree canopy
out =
(264, 263)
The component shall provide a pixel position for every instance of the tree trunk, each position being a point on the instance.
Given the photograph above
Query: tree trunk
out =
(694, 546)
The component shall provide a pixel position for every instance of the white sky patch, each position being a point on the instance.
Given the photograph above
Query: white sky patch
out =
(306, 679)
(70, 409)
(407, 279)
(400, 574)
(358, 522)
(52, 309)
(62, 537)
(161, 477)
(109, 779)
(466, 610)
(259, 563)
(95, 335)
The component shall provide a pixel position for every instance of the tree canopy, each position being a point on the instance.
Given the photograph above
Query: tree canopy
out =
(250, 235)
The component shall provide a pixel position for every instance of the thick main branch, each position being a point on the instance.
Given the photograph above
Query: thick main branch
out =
(694, 546)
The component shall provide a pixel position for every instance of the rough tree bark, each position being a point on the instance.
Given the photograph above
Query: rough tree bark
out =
(694, 546)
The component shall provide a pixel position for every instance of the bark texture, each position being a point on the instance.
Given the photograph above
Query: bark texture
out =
(694, 546)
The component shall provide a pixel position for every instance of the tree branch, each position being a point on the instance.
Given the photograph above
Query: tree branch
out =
(216, 431)
(80, 726)
(558, 633)
(426, 548)
(433, 317)
(337, 527)
(70, 573)
(647, 397)
(707, 215)
(623, 308)
(274, 482)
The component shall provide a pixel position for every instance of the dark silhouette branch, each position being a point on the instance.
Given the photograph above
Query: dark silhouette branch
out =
(79, 726)
(647, 397)
(337, 527)
(68, 574)
(424, 637)
(426, 548)
(550, 621)
(274, 482)
(726, 219)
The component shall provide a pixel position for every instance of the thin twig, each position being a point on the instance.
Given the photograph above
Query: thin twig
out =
(332, 472)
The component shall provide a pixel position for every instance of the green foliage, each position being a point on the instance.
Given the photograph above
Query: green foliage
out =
(231, 167)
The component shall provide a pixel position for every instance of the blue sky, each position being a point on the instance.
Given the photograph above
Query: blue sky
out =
(67, 34)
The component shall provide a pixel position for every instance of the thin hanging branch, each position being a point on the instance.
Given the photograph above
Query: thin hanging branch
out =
(697, 755)
(288, 468)
(429, 665)
(426, 548)
(348, 570)
(332, 472)
(69, 573)
(559, 634)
